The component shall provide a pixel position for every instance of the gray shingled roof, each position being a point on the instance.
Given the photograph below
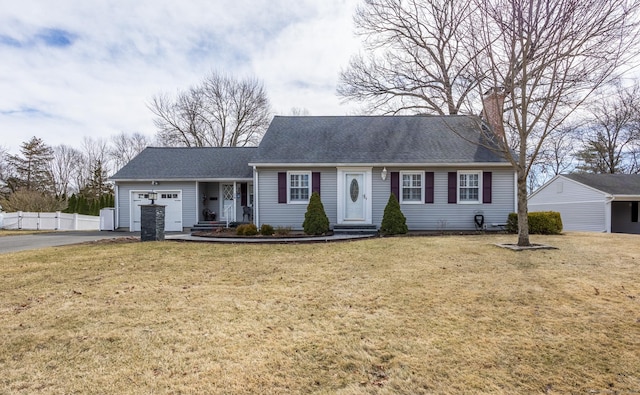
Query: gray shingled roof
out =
(374, 139)
(169, 163)
(613, 184)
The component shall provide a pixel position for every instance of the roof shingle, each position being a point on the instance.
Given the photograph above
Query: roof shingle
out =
(189, 163)
(613, 184)
(375, 139)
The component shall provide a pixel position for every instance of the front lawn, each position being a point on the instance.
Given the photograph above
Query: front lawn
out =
(410, 315)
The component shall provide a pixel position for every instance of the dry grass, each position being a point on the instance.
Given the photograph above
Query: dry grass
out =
(427, 315)
(21, 232)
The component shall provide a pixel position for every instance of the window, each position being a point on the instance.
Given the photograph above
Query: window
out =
(299, 187)
(411, 187)
(469, 187)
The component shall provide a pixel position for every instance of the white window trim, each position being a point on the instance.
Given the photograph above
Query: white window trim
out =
(479, 173)
(422, 181)
(289, 174)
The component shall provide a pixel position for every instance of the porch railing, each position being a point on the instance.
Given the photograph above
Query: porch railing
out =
(227, 213)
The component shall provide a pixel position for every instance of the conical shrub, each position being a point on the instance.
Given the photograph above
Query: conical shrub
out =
(393, 221)
(316, 221)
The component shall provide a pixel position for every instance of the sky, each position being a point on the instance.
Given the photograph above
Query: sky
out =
(76, 68)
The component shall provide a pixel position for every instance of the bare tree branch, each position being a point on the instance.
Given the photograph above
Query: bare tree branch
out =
(220, 111)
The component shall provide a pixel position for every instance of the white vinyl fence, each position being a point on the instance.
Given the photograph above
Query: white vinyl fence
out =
(48, 221)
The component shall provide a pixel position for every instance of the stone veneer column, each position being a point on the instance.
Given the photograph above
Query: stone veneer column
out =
(152, 222)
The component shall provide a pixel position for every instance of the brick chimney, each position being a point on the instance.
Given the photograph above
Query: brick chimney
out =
(493, 109)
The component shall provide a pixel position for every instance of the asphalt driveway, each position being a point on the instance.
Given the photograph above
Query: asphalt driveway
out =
(53, 239)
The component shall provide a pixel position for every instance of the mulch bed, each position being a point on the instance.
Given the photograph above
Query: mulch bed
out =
(231, 233)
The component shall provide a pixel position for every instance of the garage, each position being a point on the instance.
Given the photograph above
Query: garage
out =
(592, 202)
(172, 200)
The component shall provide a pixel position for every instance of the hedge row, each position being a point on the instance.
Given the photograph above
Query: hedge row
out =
(540, 223)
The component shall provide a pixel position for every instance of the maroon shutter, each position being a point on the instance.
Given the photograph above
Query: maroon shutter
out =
(429, 181)
(282, 187)
(395, 184)
(315, 182)
(453, 187)
(243, 194)
(486, 187)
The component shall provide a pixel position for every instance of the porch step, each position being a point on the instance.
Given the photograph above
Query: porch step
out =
(355, 229)
(208, 225)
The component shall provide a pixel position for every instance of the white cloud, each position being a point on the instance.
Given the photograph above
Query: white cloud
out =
(75, 68)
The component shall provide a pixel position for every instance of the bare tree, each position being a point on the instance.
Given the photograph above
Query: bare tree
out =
(95, 158)
(31, 200)
(556, 156)
(418, 58)
(546, 58)
(65, 164)
(610, 143)
(220, 111)
(125, 146)
(537, 60)
(5, 169)
(300, 112)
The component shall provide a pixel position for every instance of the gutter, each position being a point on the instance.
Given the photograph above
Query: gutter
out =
(383, 164)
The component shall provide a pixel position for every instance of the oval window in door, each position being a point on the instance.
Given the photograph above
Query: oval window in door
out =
(354, 190)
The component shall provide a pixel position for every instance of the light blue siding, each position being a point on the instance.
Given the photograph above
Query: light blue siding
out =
(188, 189)
(292, 215)
(581, 208)
(437, 216)
(441, 215)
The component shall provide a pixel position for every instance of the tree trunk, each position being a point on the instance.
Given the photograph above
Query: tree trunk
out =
(523, 210)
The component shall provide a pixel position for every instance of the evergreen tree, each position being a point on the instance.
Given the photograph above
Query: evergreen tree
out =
(32, 167)
(393, 221)
(97, 185)
(72, 204)
(316, 221)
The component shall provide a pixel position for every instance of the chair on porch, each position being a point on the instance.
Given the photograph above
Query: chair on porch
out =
(208, 215)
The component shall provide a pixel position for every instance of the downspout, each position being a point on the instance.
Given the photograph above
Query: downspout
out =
(117, 205)
(256, 200)
(607, 213)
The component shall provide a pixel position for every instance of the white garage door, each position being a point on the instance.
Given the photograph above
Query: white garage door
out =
(172, 200)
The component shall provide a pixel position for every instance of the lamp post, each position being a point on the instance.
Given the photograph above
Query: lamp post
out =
(153, 196)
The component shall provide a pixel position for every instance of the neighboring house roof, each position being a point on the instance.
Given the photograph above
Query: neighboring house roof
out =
(613, 184)
(189, 163)
(376, 140)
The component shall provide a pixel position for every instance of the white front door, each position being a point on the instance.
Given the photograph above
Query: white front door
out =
(227, 191)
(354, 207)
(354, 192)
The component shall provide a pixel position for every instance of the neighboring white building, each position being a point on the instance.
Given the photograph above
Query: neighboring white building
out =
(592, 202)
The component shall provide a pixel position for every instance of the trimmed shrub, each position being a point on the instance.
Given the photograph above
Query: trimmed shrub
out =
(512, 223)
(282, 230)
(247, 230)
(316, 221)
(266, 230)
(393, 221)
(540, 223)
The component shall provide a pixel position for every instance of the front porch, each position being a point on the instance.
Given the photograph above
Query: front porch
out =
(224, 202)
